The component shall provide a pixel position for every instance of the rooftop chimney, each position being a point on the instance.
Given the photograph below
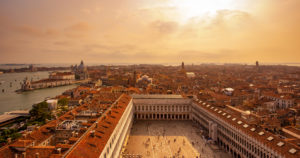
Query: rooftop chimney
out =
(24, 154)
(24, 135)
(66, 141)
(8, 140)
(92, 133)
(59, 150)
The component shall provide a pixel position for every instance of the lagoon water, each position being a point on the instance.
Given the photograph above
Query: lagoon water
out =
(10, 100)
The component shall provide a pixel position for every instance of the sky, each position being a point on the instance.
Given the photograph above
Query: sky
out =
(143, 31)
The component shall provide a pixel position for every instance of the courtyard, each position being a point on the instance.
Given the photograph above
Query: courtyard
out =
(168, 139)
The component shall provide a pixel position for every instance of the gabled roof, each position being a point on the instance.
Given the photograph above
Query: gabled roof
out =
(274, 142)
(93, 143)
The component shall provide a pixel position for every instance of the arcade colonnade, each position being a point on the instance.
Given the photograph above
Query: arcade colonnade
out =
(227, 136)
(162, 112)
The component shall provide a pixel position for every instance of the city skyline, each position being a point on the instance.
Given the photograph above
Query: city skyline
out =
(140, 78)
(137, 31)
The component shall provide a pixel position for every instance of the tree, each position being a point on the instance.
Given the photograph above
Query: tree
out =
(63, 102)
(8, 133)
(40, 112)
(15, 135)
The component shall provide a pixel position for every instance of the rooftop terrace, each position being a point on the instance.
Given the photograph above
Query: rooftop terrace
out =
(70, 125)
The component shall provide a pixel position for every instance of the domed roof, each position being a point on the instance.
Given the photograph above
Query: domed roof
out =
(81, 66)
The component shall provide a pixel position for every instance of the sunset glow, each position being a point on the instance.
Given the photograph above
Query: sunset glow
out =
(150, 78)
(194, 8)
(162, 31)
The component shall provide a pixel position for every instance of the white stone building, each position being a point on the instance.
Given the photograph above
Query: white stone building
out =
(227, 128)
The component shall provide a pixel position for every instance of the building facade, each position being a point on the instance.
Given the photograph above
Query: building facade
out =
(104, 136)
(62, 76)
(228, 129)
(161, 107)
(231, 130)
(81, 72)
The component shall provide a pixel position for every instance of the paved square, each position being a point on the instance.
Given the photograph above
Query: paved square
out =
(168, 139)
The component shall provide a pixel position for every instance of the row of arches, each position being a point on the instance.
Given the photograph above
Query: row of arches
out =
(155, 116)
(228, 149)
(204, 125)
(231, 142)
(162, 108)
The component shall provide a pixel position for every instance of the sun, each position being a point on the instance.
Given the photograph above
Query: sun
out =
(194, 8)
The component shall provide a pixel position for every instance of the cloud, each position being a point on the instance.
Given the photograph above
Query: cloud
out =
(10, 27)
(164, 27)
(79, 27)
(86, 11)
(232, 19)
(63, 43)
(126, 57)
(109, 30)
(29, 30)
(223, 25)
(51, 32)
(35, 32)
(224, 19)
(163, 13)
(100, 48)
(208, 55)
(6, 22)
(78, 30)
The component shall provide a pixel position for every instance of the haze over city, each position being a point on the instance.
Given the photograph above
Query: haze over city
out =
(149, 79)
(141, 31)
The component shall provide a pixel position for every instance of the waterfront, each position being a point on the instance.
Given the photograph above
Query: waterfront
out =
(10, 100)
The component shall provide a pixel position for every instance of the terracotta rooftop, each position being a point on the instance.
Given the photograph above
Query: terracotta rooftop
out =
(21, 143)
(41, 151)
(92, 146)
(272, 141)
(272, 94)
(6, 152)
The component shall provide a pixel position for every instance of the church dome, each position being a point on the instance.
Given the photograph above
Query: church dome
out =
(81, 66)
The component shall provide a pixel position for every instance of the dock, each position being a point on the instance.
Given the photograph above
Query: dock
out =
(10, 117)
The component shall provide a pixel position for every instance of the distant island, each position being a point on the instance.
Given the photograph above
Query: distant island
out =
(30, 68)
(14, 64)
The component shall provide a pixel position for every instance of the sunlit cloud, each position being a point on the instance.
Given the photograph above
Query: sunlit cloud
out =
(137, 31)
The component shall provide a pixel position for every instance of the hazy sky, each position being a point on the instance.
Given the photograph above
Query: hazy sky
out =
(149, 31)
